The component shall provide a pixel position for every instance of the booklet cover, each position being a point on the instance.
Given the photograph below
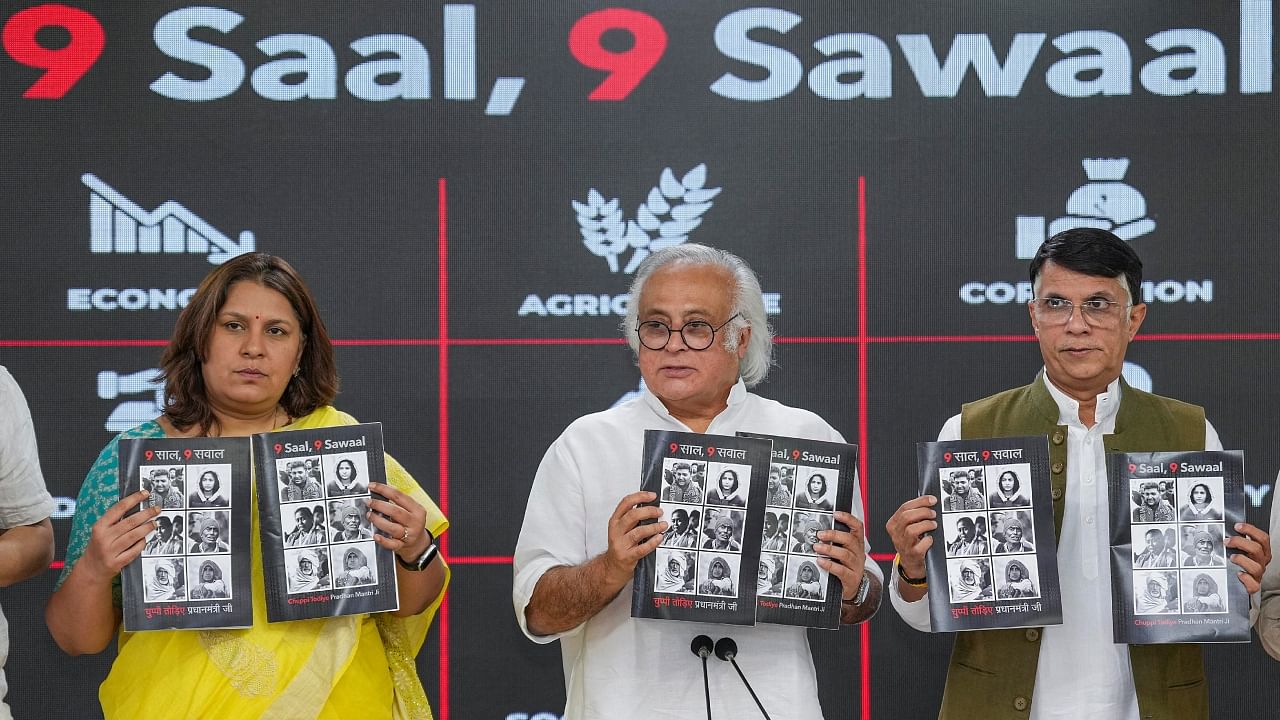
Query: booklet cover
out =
(194, 571)
(712, 490)
(1171, 579)
(994, 553)
(808, 480)
(318, 554)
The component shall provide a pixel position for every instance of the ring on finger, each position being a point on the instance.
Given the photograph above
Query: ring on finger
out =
(405, 538)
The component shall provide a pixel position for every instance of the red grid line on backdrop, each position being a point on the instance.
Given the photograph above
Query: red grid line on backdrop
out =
(793, 340)
(862, 340)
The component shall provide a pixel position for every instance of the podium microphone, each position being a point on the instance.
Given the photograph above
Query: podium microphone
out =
(701, 646)
(727, 649)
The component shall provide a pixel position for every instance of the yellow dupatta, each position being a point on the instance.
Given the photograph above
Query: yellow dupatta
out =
(342, 667)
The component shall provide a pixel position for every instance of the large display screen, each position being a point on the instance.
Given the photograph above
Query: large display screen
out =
(468, 188)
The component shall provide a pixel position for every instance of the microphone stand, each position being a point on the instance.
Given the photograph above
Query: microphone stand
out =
(727, 649)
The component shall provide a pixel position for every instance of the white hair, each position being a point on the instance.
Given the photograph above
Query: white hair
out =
(748, 305)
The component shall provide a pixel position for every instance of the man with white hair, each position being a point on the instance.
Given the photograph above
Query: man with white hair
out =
(1086, 310)
(697, 326)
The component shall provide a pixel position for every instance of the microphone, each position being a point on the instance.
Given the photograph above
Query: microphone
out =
(701, 646)
(727, 650)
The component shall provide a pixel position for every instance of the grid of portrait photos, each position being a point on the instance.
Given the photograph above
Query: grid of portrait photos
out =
(799, 503)
(988, 534)
(325, 531)
(1179, 558)
(704, 503)
(188, 555)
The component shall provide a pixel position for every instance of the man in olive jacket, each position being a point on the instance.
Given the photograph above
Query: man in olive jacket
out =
(1085, 313)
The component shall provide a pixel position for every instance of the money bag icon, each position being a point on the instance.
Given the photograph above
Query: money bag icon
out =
(1104, 202)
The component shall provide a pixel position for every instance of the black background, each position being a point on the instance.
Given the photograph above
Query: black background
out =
(379, 203)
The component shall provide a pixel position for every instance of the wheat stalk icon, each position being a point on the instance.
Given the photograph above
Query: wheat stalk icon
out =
(672, 210)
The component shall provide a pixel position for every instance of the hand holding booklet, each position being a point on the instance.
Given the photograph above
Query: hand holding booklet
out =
(993, 562)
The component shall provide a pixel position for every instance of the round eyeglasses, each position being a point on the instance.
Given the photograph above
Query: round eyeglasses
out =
(1097, 312)
(697, 335)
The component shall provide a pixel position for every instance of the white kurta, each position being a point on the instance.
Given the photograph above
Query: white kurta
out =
(23, 497)
(617, 668)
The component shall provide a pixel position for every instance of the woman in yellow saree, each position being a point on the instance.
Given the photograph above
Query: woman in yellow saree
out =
(249, 355)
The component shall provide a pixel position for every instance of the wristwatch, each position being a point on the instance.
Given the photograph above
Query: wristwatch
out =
(426, 558)
(864, 588)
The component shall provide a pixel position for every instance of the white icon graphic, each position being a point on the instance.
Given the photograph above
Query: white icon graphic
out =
(129, 413)
(1137, 376)
(1104, 202)
(119, 225)
(673, 209)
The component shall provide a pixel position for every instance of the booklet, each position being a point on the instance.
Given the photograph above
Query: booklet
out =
(318, 554)
(1171, 578)
(994, 559)
(712, 490)
(808, 480)
(194, 571)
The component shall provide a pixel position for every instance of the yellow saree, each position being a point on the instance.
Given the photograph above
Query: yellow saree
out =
(353, 666)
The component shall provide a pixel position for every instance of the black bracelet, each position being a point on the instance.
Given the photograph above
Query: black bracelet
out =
(902, 575)
(426, 558)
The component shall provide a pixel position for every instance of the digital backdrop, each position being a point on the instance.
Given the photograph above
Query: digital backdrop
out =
(468, 188)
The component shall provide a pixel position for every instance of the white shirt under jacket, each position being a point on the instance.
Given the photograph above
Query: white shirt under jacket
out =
(1081, 672)
(618, 668)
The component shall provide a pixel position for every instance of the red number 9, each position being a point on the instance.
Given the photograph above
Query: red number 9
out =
(628, 68)
(64, 66)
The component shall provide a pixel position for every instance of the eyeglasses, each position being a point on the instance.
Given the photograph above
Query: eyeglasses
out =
(697, 335)
(1095, 311)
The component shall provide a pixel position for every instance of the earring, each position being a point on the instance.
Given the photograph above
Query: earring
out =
(297, 370)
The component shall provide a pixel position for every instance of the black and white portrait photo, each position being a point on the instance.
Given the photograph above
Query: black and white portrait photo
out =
(775, 538)
(209, 531)
(682, 480)
(298, 479)
(1204, 591)
(1200, 499)
(805, 527)
(210, 486)
(718, 574)
(302, 524)
(1010, 486)
(165, 485)
(1150, 502)
(674, 571)
(969, 579)
(772, 573)
(308, 569)
(1012, 532)
(723, 529)
(816, 489)
(1155, 592)
(682, 525)
(163, 580)
(805, 580)
(209, 578)
(1155, 546)
(778, 492)
(346, 474)
(166, 539)
(1202, 545)
(962, 489)
(354, 565)
(728, 484)
(350, 521)
(1016, 578)
(962, 536)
